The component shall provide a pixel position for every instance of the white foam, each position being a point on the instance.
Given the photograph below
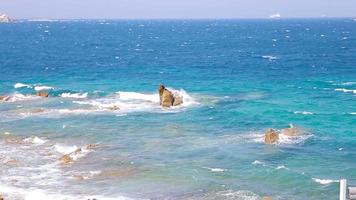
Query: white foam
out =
(138, 96)
(7, 133)
(325, 181)
(257, 162)
(283, 139)
(303, 112)
(35, 140)
(215, 169)
(269, 57)
(20, 97)
(281, 167)
(21, 85)
(65, 149)
(75, 95)
(349, 83)
(41, 88)
(352, 113)
(345, 90)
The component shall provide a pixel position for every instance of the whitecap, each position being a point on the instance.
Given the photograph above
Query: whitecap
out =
(215, 169)
(65, 149)
(257, 162)
(325, 181)
(41, 88)
(269, 57)
(282, 167)
(35, 140)
(303, 112)
(21, 85)
(352, 113)
(345, 90)
(75, 95)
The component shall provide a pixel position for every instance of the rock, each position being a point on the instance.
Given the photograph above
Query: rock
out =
(5, 19)
(167, 99)
(271, 136)
(66, 159)
(1, 198)
(115, 107)
(4, 98)
(177, 100)
(165, 96)
(292, 131)
(266, 198)
(38, 110)
(42, 93)
(92, 146)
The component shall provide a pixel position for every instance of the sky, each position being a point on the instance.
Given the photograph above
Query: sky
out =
(176, 9)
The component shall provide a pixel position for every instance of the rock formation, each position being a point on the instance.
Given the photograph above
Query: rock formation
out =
(5, 19)
(167, 99)
(68, 158)
(271, 136)
(42, 93)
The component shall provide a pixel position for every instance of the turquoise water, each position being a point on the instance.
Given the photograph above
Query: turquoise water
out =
(238, 78)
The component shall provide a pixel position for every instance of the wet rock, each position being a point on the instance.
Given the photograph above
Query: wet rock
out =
(92, 146)
(42, 93)
(38, 110)
(167, 99)
(266, 198)
(177, 100)
(4, 98)
(66, 159)
(271, 136)
(78, 177)
(165, 96)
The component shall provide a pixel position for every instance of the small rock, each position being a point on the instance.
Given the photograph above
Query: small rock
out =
(42, 93)
(4, 98)
(177, 100)
(266, 198)
(271, 136)
(66, 159)
(92, 146)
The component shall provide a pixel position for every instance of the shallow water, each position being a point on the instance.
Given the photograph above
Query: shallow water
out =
(237, 77)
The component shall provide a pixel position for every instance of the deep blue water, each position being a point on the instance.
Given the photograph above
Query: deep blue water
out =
(239, 77)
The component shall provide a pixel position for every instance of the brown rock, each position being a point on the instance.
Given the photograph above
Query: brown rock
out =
(165, 96)
(42, 93)
(92, 146)
(78, 177)
(177, 100)
(293, 131)
(66, 159)
(271, 136)
(114, 108)
(4, 98)
(266, 198)
(38, 110)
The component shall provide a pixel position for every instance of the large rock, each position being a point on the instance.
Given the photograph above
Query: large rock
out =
(165, 96)
(5, 19)
(42, 93)
(271, 136)
(167, 99)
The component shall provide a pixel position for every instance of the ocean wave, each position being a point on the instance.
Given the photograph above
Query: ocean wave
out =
(21, 85)
(303, 112)
(215, 169)
(325, 181)
(75, 95)
(241, 194)
(257, 162)
(269, 57)
(345, 90)
(20, 97)
(41, 88)
(282, 167)
(35, 140)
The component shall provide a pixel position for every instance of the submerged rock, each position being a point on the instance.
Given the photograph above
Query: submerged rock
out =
(42, 93)
(167, 99)
(266, 198)
(5, 19)
(292, 131)
(68, 158)
(271, 136)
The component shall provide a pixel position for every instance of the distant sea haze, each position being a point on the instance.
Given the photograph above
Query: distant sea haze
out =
(101, 132)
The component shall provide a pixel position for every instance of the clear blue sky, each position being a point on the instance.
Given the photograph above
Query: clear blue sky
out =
(81, 9)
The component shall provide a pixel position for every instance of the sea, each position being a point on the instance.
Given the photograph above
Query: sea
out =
(237, 78)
